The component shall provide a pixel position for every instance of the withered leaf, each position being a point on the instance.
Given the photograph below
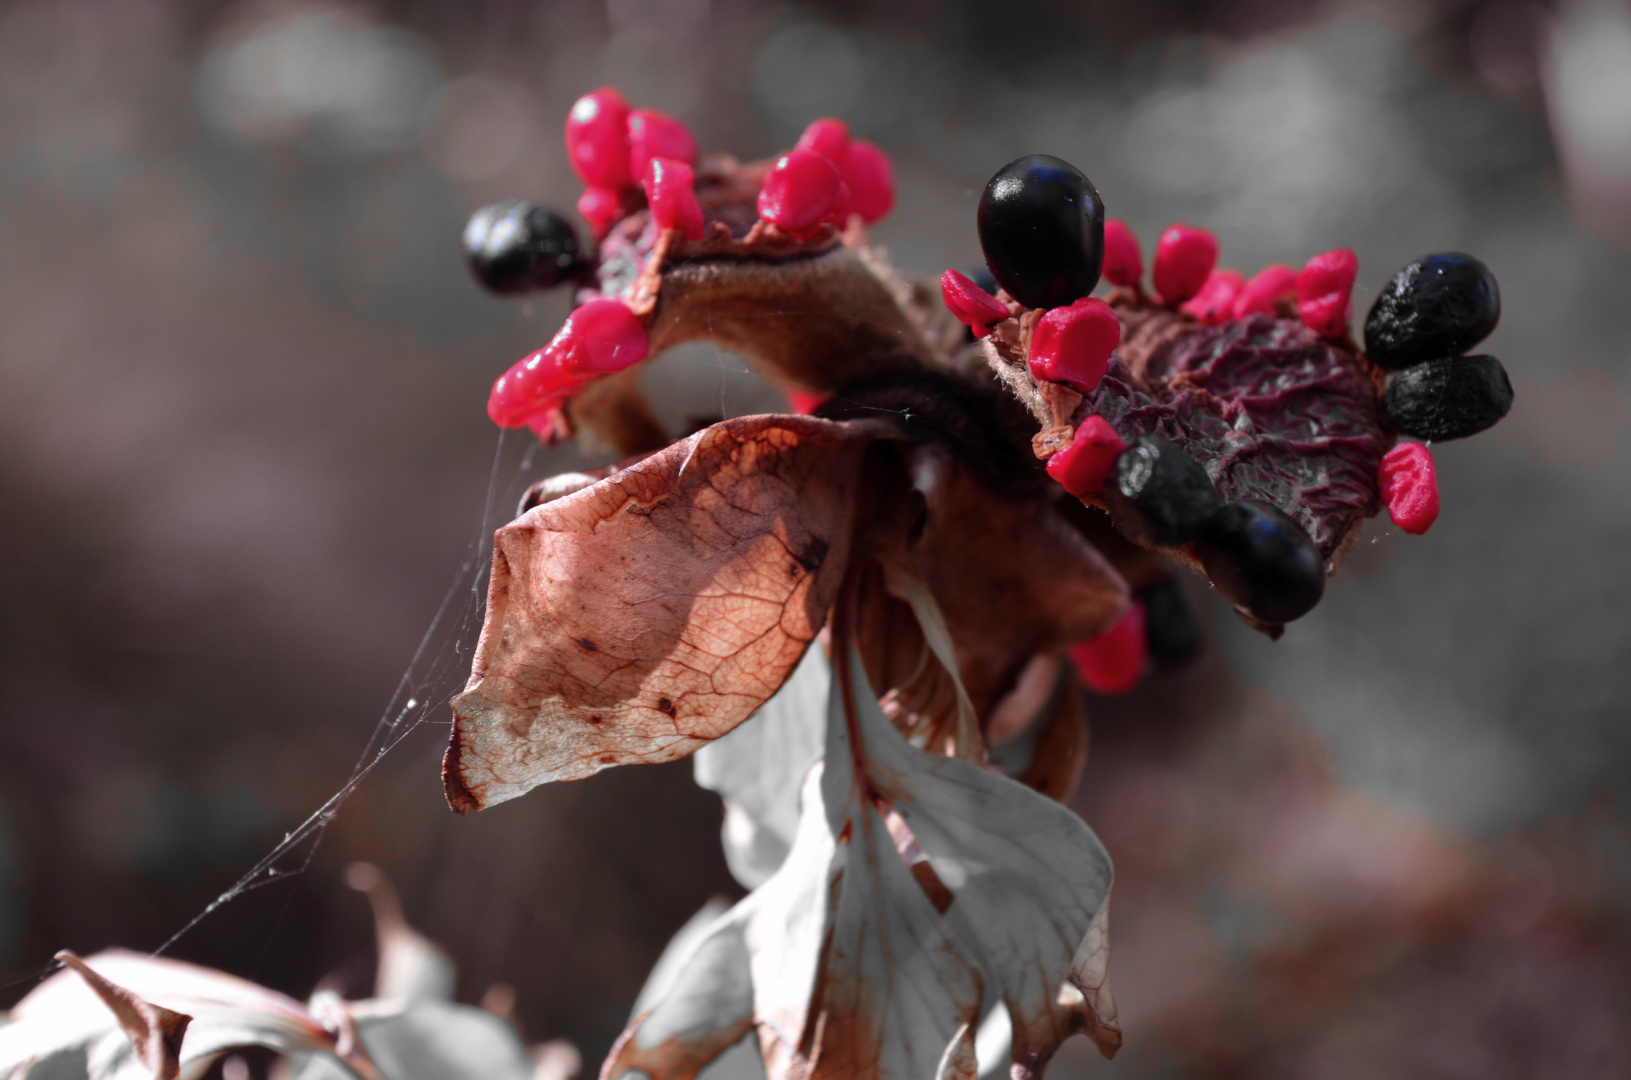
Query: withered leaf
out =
(846, 962)
(640, 618)
(64, 1019)
(1010, 576)
(759, 767)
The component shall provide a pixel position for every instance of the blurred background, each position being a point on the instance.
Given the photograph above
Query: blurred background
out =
(244, 464)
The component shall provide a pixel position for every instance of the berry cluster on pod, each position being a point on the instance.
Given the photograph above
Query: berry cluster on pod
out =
(1200, 359)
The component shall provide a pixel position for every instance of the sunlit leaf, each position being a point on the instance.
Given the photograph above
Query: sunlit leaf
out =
(759, 767)
(638, 619)
(65, 1018)
(854, 959)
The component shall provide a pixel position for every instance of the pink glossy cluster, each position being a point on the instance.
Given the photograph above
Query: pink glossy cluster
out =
(1186, 275)
(824, 179)
(1409, 487)
(614, 147)
(600, 337)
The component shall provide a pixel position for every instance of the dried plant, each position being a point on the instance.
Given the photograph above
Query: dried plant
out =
(918, 888)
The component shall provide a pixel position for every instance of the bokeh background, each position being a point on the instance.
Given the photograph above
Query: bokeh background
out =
(244, 464)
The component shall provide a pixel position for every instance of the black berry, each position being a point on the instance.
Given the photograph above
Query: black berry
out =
(1449, 398)
(517, 246)
(1041, 226)
(1262, 561)
(1440, 305)
(1171, 628)
(1161, 496)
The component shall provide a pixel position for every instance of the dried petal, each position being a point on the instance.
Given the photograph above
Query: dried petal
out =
(642, 617)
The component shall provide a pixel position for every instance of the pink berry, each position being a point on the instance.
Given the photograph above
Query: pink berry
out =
(600, 207)
(1409, 487)
(973, 306)
(1073, 344)
(1123, 258)
(1324, 289)
(1184, 257)
(828, 136)
(1273, 282)
(597, 139)
(1082, 467)
(802, 191)
(601, 336)
(871, 180)
(673, 201)
(1113, 662)
(1215, 303)
(653, 135)
(805, 402)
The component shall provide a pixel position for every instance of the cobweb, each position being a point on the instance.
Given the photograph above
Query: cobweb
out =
(439, 665)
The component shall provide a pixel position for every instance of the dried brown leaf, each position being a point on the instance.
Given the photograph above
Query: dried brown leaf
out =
(154, 1031)
(638, 619)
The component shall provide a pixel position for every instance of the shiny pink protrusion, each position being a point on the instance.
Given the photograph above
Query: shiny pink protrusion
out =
(973, 306)
(1123, 258)
(871, 180)
(1274, 282)
(1113, 662)
(600, 207)
(1215, 303)
(653, 135)
(1082, 467)
(828, 136)
(1184, 258)
(805, 402)
(598, 338)
(597, 139)
(1072, 345)
(865, 168)
(802, 191)
(1409, 487)
(1324, 290)
(673, 200)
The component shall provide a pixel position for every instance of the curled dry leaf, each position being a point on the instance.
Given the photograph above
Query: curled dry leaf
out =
(155, 1033)
(66, 1019)
(848, 963)
(644, 616)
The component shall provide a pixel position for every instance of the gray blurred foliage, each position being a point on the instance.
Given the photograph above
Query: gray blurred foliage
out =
(243, 458)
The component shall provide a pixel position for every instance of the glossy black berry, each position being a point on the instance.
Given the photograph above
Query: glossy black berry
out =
(1041, 226)
(516, 246)
(1262, 561)
(1160, 495)
(1172, 630)
(1449, 398)
(1440, 305)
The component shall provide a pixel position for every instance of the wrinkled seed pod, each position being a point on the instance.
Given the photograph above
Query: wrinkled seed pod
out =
(517, 246)
(1160, 496)
(1439, 305)
(1262, 562)
(1449, 398)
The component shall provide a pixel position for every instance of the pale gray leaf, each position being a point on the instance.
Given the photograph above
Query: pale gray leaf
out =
(759, 768)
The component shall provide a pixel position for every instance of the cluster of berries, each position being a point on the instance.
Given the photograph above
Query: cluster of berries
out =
(632, 159)
(1046, 241)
